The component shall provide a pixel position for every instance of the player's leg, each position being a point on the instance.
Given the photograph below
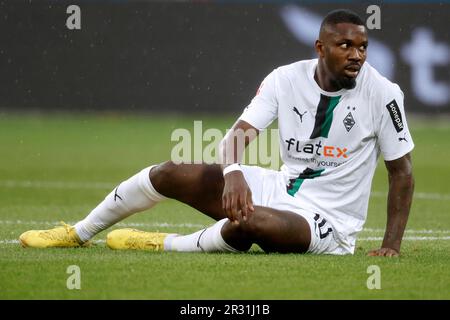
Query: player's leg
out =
(273, 230)
(197, 185)
(132, 195)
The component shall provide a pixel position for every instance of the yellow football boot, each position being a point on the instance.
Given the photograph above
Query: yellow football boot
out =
(58, 237)
(135, 239)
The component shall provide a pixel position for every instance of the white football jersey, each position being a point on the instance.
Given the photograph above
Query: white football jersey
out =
(330, 141)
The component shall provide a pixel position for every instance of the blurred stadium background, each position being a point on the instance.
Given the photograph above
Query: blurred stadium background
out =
(199, 56)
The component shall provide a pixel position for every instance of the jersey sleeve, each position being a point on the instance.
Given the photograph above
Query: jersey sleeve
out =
(393, 134)
(263, 108)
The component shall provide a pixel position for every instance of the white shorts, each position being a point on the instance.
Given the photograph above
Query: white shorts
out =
(269, 190)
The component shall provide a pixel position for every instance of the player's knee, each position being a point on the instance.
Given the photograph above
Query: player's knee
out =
(257, 223)
(162, 173)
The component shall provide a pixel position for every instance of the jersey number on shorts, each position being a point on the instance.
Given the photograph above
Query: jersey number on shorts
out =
(320, 225)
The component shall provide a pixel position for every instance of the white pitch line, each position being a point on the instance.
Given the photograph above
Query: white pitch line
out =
(55, 184)
(9, 241)
(108, 186)
(417, 195)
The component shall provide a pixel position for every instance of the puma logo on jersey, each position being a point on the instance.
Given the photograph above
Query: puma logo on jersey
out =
(299, 114)
(403, 139)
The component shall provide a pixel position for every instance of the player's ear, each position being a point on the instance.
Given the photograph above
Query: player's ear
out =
(318, 45)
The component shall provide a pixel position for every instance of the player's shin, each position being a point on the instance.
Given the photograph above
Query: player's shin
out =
(133, 195)
(206, 240)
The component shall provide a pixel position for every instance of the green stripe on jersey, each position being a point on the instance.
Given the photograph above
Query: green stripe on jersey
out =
(324, 116)
(329, 116)
(295, 184)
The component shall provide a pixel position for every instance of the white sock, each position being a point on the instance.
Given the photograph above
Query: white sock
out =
(133, 195)
(206, 240)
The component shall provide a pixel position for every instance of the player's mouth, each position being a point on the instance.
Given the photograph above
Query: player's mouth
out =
(352, 70)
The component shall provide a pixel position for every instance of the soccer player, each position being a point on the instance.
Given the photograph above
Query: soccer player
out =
(336, 115)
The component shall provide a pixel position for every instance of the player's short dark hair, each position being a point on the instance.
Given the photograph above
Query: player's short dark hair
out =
(341, 16)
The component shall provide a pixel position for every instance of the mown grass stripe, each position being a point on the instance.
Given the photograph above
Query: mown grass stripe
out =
(15, 241)
(193, 225)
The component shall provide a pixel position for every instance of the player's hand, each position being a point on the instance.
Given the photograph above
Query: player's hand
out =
(383, 252)
(237, 197)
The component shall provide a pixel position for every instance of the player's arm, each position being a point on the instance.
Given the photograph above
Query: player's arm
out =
(401, 188)
(236, 197)
(257, 116)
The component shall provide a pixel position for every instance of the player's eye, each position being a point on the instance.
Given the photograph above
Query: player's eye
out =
(344, 45)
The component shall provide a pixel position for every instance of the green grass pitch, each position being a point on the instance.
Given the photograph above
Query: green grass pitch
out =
(59, 167)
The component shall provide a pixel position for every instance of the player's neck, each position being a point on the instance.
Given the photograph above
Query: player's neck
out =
(324, 80)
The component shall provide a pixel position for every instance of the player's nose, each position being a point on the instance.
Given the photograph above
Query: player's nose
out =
(355, 55)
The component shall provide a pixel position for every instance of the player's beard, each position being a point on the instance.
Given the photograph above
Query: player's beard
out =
(345, 83)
